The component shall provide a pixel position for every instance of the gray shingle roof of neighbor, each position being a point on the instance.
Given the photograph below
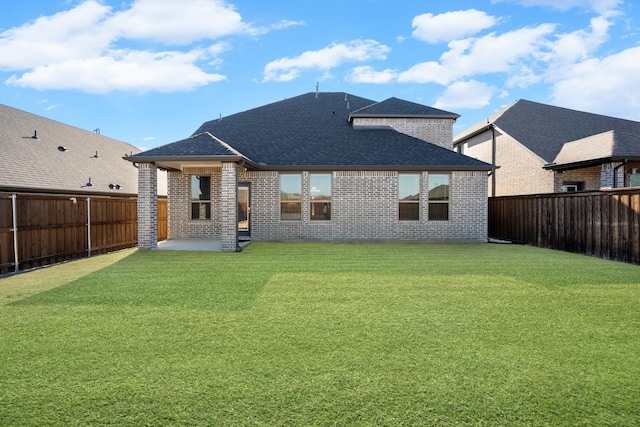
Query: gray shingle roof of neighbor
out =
(62, 158)
(313, 130)
(594, 149)
(544, 129)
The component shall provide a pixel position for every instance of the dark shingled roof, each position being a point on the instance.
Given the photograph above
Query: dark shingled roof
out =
(201, 144)
(313, 130)
(394, 107)
(544, 129)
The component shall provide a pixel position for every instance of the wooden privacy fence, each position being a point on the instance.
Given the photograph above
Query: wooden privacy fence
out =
(605, 224)
(41, 229)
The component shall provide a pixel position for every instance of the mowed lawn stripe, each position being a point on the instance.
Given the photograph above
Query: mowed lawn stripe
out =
(321, 334)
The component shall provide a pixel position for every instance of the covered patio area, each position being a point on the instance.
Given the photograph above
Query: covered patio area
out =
(206, 245)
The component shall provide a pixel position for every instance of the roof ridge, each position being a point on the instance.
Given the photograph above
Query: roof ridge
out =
(225, 145)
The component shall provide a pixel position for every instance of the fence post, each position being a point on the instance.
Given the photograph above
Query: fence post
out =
(15, 233)
(88, 226)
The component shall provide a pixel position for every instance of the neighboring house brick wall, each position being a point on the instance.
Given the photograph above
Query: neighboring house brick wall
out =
(589, 176)
(607, 175)
(436, 131)
(519, 170)
(364, 208)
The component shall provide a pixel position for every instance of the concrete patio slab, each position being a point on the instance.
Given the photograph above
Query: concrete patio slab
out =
(211, 245)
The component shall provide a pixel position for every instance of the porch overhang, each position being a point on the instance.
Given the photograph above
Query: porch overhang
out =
(179, 163)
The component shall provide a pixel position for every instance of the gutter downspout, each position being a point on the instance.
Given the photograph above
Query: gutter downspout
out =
(615, 173)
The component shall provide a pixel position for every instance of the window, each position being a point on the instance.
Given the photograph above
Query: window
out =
(570, 187)
(291, 197)
(409, 197)
(438, 197)
(200, 197)
(320, 194)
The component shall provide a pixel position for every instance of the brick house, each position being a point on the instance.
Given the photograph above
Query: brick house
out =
(319, 167)
(539, 148)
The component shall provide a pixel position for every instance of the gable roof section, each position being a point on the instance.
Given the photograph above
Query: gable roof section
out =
(596, 149)
(394, 107)
(32, 164)
(544, 129)
(313, 131)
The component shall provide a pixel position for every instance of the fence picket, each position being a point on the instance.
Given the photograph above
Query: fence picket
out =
(605, 224)
(53, 228)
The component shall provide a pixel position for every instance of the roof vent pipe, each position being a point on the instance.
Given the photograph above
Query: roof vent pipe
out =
(35, 134)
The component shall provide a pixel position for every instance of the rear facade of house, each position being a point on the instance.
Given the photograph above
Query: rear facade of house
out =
(321, 167)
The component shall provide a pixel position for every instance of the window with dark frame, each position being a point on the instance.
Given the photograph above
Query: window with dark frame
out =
(200, 197)
(409, 197)
(438, 185)
(291, 197)
(320, 197)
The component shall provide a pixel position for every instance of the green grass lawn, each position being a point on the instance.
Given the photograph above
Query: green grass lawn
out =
(323, 335)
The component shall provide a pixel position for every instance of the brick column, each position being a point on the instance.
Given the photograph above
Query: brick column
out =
(147, 206)
(229, 207)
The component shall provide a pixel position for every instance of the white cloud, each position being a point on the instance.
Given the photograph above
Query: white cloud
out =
(177, 22)
(489, 54)
(471, 94)
(427, 72)
(450, 25)
(287, 69)
(284, 24)
(123, 70)
(76, 33)
(367, 74)
(606, 85)
(77, 48)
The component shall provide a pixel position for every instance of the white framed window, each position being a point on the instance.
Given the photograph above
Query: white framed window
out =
(320, 196)
(291, 197)
(409, 197)
(200, 197)
(438, 185)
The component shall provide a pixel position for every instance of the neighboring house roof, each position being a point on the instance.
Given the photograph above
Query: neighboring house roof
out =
(544, 129)
(313, 131)
(596, 149)
(43, 154)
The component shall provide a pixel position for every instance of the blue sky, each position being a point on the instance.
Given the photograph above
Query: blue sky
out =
(149, 72)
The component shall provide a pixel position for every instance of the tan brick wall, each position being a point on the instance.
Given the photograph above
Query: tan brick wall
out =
(180, 224)
(436, 131)
(589, 176)
(520, 171)
(364, 208)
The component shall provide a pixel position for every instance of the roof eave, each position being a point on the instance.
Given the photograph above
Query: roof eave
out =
(402, 116)
(588, 163)
(461, 139)
(374, 167)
